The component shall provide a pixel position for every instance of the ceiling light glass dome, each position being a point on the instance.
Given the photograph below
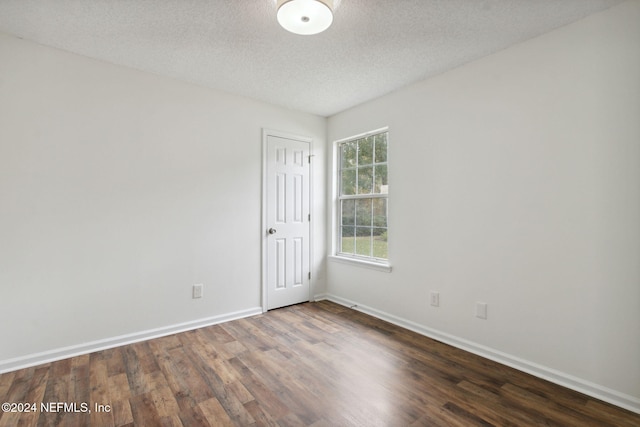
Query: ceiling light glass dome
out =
(305, 17)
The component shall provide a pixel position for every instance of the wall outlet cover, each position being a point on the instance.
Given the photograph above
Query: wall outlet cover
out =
(435, 299)
(197, 290)
(481, 310)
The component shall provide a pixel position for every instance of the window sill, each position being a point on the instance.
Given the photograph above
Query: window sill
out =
(361, 263)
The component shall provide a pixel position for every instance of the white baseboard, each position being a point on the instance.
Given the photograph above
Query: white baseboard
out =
(614, 397)
(93, 346)
(320, 297)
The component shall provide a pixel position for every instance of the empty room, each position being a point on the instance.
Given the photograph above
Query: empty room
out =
(320, 212)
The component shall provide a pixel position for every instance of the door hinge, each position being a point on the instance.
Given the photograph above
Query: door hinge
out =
(310, 156)
(309, 275)
(309, 217)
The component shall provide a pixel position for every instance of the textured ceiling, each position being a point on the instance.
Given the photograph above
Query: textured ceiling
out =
(372, 48)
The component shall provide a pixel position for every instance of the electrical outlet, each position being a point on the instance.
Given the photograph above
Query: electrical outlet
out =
(435, 299)
(197, 291)
(481, 310)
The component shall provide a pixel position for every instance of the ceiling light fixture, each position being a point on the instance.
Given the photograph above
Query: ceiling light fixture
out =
(305, 17)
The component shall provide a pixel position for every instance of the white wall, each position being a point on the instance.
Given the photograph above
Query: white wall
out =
(118, 191)
(515, 180)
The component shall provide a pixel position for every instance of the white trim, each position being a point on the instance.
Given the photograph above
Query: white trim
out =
(265, 134)
(589, 388)
(312, 220)
(370, 264)
(362, 135)
(333, 201)
(35, 359)
(320, 297)
(364, 196)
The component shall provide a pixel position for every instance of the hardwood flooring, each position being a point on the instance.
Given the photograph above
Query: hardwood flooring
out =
(315, 364)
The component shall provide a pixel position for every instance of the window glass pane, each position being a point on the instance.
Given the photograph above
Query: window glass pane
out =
(381, 184)
(348, 182)
(363, 241)
(379, 212)
(365, 180)
(363, 221)
(348, 212)
(348, 155)
(363, 212)
(365, 151)
(381, 148)
(380, 243)
(347, 240)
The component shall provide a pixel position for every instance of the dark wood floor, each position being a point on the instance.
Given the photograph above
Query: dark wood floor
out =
(315, 364)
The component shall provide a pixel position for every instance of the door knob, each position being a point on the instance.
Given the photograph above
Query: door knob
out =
(272, 231)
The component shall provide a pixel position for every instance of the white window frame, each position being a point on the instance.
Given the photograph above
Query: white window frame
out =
(345, 258)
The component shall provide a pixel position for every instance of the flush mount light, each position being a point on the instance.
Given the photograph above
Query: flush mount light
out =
(305, 17)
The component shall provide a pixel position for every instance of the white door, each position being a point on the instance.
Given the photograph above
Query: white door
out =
(287, 220)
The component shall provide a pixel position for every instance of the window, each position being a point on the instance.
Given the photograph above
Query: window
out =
(362, 197)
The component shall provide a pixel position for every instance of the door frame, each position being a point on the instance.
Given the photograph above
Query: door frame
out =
(266, 133)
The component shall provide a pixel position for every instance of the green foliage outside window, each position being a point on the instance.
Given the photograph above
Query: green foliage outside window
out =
(363, 220)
